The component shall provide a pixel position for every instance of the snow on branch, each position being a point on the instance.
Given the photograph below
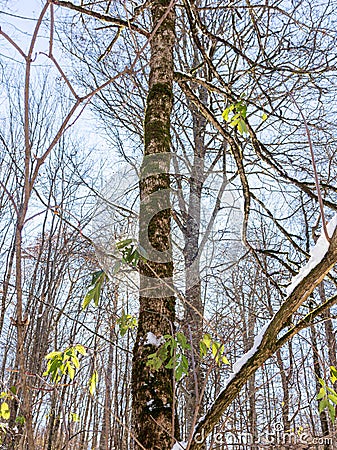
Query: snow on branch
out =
(317, 253)
(323, 258)
(244, 358)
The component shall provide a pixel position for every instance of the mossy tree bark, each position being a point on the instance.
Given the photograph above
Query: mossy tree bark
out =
(153, 392)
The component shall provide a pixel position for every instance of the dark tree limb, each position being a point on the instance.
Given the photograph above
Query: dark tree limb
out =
(270, 342)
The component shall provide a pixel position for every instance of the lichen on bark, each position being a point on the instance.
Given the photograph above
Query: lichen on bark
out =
(154, 422)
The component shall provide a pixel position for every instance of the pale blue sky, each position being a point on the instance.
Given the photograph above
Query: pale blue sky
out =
(16, 27)
(18, 19)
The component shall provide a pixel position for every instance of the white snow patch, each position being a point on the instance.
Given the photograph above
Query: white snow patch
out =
(244, 358)
(179, 446)
(317, 253)
(151, 339)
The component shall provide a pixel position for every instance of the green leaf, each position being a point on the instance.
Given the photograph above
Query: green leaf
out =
(53, 367)
(87, 299)
(4, 411)
(20, 420)
(179, 373)
(332, 391)
(13, 390)
(173, 348)
(184, 363)
(243, 111)
(154, 362)
(95, 289)
(242, 127)
(321, 394)
(126, 322)
(70, 369)
(64, 363)
(226, 112)
(238, 116)
(170, 364)
(333, 398)
(203, 349)
(124, 243)
(162, 353)
(215, 348)
(332, 412)
(96, 276)
(207, 340)
(235, 121)
(75, 361)
(182, 341)
(93, 382)
(323, 404)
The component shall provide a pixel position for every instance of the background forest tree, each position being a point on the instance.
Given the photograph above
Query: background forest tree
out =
(251, 86)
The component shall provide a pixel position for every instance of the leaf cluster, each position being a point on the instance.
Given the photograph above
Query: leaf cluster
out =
(126, 322)
(131, 253)
(171, 354)
(217, 349)
(64, 363)
(235, 115)
(328, 396)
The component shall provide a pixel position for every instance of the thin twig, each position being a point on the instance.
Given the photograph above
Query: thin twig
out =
(312, 154)
(14, 44)
(103, 17)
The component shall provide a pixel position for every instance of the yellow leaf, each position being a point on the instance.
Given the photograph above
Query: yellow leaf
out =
(52, 355)
(74, 417)
(93, 382)
(4, 410)
(80, 349)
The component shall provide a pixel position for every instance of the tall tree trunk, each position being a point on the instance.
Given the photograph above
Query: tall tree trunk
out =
(105, 439)
(317, 370)
(21, 322)
(194, 308)
(153, 412)
(329, 330)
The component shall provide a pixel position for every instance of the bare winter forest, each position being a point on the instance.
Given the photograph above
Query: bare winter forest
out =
(168, 215)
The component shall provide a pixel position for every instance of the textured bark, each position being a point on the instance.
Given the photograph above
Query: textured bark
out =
(251, 322)
(329, 331)
(323, 417)
(153, 414)
(285, 389)
(21, 323)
